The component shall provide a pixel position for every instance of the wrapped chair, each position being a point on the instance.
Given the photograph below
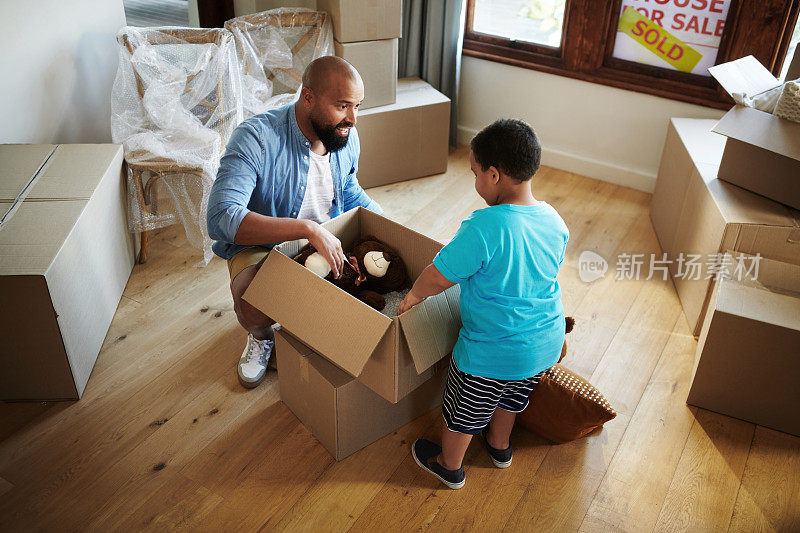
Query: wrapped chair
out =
(175, 102)
(274, 48)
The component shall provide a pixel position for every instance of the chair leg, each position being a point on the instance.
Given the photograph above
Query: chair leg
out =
(140, 193)
(144, 238)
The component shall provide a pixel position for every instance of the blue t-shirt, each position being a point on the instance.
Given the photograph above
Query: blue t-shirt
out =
(506, 258)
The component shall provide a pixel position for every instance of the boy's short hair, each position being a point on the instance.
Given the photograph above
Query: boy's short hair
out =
(511, 146)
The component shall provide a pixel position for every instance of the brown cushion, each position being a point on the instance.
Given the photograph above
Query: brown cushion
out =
(565, 407)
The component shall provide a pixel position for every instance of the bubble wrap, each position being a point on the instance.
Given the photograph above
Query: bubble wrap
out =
(788, 105)
(393, 301)
(175, 101)
(274, 49)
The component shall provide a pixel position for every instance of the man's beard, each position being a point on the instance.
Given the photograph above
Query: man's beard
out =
(332, 141)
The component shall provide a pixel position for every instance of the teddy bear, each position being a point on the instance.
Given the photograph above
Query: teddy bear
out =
(382, 265)
(373, 269)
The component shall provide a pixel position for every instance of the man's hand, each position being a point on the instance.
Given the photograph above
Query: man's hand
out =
(329, 246)
(408, 302)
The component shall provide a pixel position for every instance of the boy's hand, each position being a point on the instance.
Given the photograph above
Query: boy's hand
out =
(408, 302)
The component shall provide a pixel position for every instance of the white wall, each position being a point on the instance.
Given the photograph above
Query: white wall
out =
(58, 63)
(590, 129)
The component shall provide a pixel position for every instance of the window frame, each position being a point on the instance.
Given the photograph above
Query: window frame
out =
(762, 28)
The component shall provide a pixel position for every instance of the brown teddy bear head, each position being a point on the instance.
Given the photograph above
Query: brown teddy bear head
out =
(382, 265)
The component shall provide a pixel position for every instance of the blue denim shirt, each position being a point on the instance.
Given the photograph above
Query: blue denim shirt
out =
(264, 170)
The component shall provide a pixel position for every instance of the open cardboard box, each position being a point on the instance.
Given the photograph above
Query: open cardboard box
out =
(762, 152)
(747, 361)
(390, 355)
(695, 213)
(65, 258)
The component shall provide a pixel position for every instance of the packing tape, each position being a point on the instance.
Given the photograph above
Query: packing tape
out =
(25, 191)
(794, 234)
(658, 40)
(304, 369)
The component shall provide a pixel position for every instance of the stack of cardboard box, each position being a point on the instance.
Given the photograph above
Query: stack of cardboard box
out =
(365, 33)
(721, 238)
(349, 373)
(403, 124)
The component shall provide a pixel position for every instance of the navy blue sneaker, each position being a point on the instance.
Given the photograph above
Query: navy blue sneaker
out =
(424, 451)
(500, 458)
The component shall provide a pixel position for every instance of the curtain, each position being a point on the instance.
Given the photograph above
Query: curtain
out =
(430, 47)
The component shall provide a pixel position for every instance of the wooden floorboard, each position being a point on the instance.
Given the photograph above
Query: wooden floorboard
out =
(165, 438)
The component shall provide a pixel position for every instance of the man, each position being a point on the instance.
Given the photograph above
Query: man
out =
(283, 173)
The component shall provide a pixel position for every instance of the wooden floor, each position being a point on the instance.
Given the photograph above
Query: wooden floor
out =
(165, 438)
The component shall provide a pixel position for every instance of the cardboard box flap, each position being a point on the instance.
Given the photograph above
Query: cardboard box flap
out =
(759, 304)
(33, 236)
(74, 171)
(771, 275)
(745, 76)
(287, 293)
(738, 205)
(769, 294)
(19, 164)
(761, 129)
(431, 328)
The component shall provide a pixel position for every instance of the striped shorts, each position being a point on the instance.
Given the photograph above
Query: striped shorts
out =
(469, 401)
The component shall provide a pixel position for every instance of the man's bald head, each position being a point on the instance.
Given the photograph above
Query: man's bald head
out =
(327, 71)
(328, 105)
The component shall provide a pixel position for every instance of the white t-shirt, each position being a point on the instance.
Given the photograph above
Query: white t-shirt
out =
(318, 200)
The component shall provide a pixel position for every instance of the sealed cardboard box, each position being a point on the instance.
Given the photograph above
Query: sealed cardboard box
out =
(376, 61)
(363, 20)
(65, 258)
(762, 152)
(392, 356)
(341, 412)
(697, 216)
(747, 361)
(246, 7)
(407, 139)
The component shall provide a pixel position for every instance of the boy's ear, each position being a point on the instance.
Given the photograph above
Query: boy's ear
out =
(495, 175)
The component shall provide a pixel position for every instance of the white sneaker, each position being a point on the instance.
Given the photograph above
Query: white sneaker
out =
(253, 363)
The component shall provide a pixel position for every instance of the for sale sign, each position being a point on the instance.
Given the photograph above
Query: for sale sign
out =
(675, 34)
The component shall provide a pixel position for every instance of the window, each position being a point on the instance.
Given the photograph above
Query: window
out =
(661, 47)
(681, 35)
(538, 21)
(791, 51)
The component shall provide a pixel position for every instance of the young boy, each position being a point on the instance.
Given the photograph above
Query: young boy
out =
(506, 258)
